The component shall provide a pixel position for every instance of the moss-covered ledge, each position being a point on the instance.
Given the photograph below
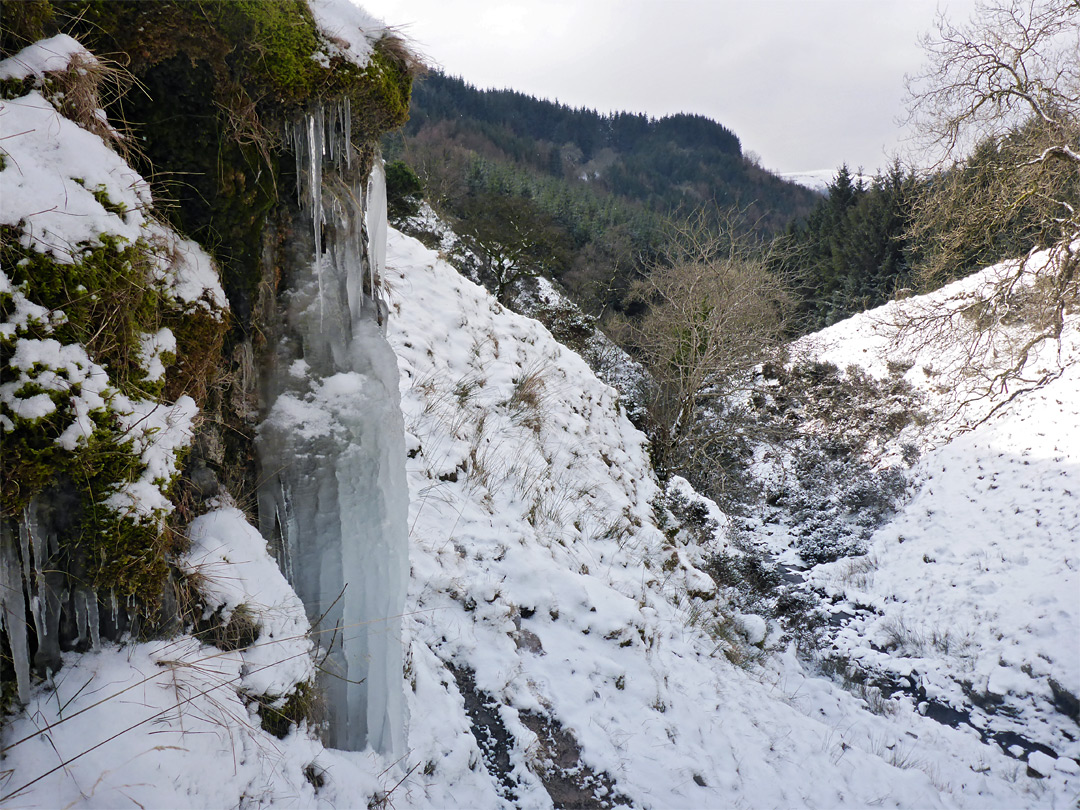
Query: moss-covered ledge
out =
(219, 81)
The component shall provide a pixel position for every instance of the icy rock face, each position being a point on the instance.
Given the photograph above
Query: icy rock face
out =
(334, 499)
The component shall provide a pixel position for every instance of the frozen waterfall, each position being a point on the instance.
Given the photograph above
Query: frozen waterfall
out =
(333, 499)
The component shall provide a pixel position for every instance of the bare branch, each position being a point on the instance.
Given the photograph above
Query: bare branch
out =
(714, 310)
(999, 108)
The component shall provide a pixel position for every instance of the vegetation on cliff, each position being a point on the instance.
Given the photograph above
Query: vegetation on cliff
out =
(127, 350)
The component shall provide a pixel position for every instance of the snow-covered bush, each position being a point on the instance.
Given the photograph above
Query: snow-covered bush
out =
(825, 450)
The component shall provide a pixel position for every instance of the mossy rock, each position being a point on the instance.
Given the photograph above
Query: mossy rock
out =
(104, 295)
(272, 49)
(125, 557)
(282, 714)
(104, 302)
(220, 80)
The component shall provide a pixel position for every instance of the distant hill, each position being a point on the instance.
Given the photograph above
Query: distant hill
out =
(668, 163)
(591, 173)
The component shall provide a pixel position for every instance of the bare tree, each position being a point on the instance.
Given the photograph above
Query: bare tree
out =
(714, 309)
(998, 109)
(513, 240)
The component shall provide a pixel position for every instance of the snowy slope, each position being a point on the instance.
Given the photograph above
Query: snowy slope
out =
(563, 644)
(545, 607)
(973, 589)
(976, 582)
(538, 568)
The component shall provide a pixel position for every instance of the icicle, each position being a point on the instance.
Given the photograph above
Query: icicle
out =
(24, 547)
(13, 609)
(348, 132)
(376, 223)
(331, 133)
(356, 245)
(322, 137)
(338, 505)
(24, 542)
(92, 618)
(282, 511)
(292, 134)
(315, 147)
(45, 603)
(38, 548)
(80, 615)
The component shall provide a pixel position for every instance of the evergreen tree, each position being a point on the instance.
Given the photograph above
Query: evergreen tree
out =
(852, 252)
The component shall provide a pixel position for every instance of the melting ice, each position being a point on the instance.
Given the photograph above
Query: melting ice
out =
(334, 499)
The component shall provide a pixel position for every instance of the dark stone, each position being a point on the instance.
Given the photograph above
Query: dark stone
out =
(528, 640)
(491, 735)
(570, 782)
(204, 482)
(1065, 701)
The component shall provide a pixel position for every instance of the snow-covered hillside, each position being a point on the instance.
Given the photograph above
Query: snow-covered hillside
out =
(559, 643)
(542, 587)
(564, 644)
(970, 596)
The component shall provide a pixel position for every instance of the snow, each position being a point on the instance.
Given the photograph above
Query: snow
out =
(524, 574)
(65, 192)
(23, 311)
(152, 351)
(949, 364)
(753, 627)
(235, 570)
(1041, 763)
(351, 30)
(157, 724)
(158, 433)
(54, 176)
(44, 56)
(977, 580)
(52, 369)
(52, 168)
(1066, 765)
(185, 271)
(813, 179)
(537, 571)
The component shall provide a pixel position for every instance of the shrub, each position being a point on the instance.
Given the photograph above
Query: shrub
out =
(404, 191)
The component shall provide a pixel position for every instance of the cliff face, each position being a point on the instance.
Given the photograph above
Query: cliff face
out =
(139, 364)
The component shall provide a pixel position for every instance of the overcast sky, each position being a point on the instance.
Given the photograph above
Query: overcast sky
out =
(806, 84)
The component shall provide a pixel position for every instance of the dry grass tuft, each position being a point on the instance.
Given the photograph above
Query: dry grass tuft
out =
(402, 53)
(84, 89)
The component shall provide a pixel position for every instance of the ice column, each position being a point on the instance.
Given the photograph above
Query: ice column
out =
(334, 501)
(13, 610)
